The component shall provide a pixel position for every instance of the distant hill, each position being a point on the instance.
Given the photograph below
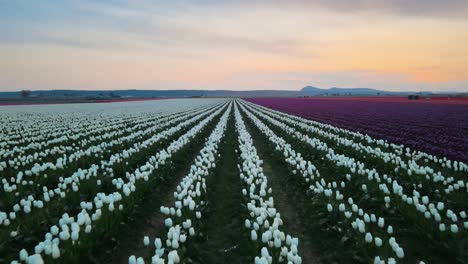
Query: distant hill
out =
(306, 91)
(335, 91)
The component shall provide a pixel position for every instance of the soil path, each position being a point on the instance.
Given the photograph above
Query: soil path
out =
(225, 239)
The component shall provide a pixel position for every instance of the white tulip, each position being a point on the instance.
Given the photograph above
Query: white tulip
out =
(146, 241)
(454, 228)
(378, 241)
(168, 222)
(253, 235)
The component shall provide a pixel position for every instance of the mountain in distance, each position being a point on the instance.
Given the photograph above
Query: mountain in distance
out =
(109, 94)
(335, 91)
(310, 90)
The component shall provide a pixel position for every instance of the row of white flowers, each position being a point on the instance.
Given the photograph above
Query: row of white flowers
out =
(72, 182)
(70, 150)
(265, 221)
(189, 196)
(400, 163)
(24, 178)
(35, 124)
(438, 211)
(21, 155)
(399, 150)
(86, 130)
(359, 219)
(71, 228)
(38, 131)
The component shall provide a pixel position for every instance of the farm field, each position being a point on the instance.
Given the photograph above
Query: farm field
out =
(264, 180)
(435, 126)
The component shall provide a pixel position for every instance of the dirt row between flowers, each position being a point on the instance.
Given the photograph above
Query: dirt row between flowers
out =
(225, 237)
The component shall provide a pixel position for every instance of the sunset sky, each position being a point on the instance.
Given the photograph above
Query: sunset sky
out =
(391, 45)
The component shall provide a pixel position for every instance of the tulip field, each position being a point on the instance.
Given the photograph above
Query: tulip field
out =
(434, 126)
(224, 180)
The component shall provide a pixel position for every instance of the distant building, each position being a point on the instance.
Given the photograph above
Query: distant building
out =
(413, 97)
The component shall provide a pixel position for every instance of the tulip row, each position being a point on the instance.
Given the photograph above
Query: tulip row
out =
(450, 166)
(35, 125)
(412, 157)
(425, 180)
(357, 176)
(102, 207)
(435, 210)
(74, 140)
(23, 180)
(71, 185)
(84, 142)
(332, 195)
(264, 221)
(435, 128)
(19, 182)
(35, 135)
(190, 197)
(22, 155)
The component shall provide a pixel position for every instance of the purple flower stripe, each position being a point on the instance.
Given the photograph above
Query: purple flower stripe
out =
(440, 129)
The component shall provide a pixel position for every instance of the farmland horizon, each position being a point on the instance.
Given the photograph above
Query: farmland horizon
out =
(69, 96)
(434, 90)
(463, 90)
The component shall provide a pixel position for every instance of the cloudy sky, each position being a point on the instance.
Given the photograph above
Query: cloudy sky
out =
(142, 44)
